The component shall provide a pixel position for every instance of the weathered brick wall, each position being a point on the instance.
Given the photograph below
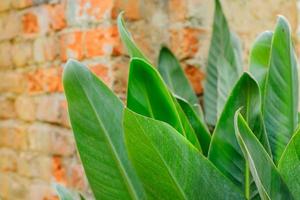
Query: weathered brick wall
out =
(38, 36)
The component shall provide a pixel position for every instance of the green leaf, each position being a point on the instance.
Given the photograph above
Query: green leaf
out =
(281, 93)
(197, 108)
(237, 48)
(149, 96)
(128, 41)
(190, 133)
(289, 165)
(260, 58)
(64, 193)
(169, 166)
(224, 150)
(268, 180)
(224, 66)
(174, 77)
(96, 118)
(198, 125)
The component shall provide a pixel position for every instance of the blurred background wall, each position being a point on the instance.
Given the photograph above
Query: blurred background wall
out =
(38, 36)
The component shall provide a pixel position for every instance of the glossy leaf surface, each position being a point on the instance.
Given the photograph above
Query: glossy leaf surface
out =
(224, 150)
(260, 58)
(190, 133)
(198, 125)
(267, 178)
(223, 68)
(289, 165)
(96, 118)
(281, 95)
(149, 96)
(169, 166)
(174, 77)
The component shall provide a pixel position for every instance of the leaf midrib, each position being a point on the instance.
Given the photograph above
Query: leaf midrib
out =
(181, 192)
(111, 146)
(253, 164)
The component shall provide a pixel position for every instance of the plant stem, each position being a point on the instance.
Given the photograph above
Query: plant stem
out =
(247, 180)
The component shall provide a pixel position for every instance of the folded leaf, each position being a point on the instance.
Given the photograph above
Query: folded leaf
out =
(96, 118)
(224, 57)
(190, 133)
(127, 39)
(224, 150)
(268, 180)
(169, 166)
(149, 96)
(289, 165)
(260, 58)
(174, 77)
(281, 92)
(198, 125)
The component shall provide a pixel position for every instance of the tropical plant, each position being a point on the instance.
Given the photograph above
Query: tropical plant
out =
(159, 145)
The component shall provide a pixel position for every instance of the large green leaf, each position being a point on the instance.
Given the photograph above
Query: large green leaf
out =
(169, 166)
(268, 180)
(149, 96)
(128, 41)
(260, 58)
(224, 66)
(96, 118)
(281, 92)
(289, 165)
(198, 125)
(173, 75)
(224, 150)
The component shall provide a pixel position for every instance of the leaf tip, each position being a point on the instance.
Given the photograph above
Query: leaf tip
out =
(283, 24)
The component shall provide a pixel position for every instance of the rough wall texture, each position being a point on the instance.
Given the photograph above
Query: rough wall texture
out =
(38, 36)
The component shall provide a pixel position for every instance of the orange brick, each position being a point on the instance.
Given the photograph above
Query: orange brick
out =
(30, 23)
(57, 16)
(117, 44)
(196, 76)
(45, 80)
(59, 172)
(95, 8)
(71, 45)
(94, 42)
(102, 41)
(185, 42)
(130, 7)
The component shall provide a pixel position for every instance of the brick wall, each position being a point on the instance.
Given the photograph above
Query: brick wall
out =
(38, 36)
